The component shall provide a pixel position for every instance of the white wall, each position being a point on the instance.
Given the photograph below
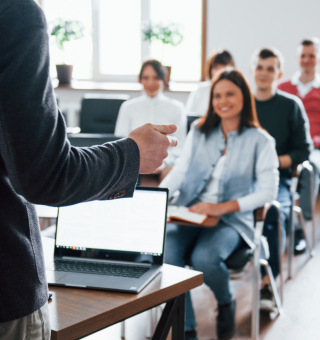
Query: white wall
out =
(241, 26)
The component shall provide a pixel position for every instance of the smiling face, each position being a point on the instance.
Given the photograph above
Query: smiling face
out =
(227, 100)
(266, 72)
(151, 81)
(308, 58)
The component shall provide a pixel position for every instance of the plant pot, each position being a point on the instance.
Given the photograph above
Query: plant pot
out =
(64, 73)
(167, 77)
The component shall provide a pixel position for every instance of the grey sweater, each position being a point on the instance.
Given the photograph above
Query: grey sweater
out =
(37, 163)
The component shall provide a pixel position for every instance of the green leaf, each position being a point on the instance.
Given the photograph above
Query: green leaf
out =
(66, 30)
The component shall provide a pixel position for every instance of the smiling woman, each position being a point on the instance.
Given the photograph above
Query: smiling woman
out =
(153, 107)
(152, 77)
(228, 168)
(229, 90)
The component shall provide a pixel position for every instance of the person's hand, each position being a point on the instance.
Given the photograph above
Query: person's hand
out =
(153, 143)
(215, 209)
(205, 208)
(285, 162)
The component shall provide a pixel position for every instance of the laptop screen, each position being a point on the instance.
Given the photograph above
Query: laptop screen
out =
(135, 225)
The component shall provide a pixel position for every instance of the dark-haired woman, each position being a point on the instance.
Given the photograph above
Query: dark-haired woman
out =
(153, 107)
(228, 168)
(197, 103)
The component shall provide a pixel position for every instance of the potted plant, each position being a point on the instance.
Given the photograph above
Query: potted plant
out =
(168, 34)
(66, 30)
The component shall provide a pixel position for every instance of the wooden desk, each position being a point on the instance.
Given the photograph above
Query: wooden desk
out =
(75, 313)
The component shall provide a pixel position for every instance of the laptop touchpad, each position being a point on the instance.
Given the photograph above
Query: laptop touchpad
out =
(83, 280)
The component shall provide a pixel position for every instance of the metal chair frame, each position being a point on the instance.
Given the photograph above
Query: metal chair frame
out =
(295, 210)
(257, 262)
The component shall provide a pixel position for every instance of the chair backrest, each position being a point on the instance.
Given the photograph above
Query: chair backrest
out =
(190, 120)
(307, 204)
(90, 139)
(99, 112)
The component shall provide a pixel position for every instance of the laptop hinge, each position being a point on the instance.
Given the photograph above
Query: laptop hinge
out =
(106, 261)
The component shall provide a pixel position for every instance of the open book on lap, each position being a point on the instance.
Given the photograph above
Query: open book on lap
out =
(183, 214)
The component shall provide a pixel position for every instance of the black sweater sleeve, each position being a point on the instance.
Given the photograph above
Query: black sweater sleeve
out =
(300, 140)
(35, 153)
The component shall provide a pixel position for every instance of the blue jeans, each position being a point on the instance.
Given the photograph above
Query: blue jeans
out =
(205, 249)
(271, 227)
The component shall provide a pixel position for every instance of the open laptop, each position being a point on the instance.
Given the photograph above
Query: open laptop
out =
(114, 244)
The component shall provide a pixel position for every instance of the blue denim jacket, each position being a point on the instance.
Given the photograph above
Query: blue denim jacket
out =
(238, 177)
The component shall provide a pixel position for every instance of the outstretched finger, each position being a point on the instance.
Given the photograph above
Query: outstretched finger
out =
(166, 129)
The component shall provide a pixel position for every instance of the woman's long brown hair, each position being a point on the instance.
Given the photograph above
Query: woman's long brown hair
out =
(248, 113)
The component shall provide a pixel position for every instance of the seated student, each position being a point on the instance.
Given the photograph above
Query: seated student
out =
(153, 107)
(284, 117)
(225, 156)
(197, 104)
(306, 85)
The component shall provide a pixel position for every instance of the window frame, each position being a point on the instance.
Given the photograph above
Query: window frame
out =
(145, 45)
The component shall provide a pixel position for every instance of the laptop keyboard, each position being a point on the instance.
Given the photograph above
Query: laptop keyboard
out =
(100, 268)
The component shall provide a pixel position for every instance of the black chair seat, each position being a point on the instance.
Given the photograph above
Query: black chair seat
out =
(238, 259)
(99, 112)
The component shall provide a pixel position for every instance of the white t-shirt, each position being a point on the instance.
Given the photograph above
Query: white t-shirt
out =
(198, 101)
(304, 89)
(210, 192)
(157, 110)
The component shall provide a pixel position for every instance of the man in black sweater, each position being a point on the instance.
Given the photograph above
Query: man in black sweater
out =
(38, 165)
(284, 117)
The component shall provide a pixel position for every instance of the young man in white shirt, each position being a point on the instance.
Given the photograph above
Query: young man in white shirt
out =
(305, 84)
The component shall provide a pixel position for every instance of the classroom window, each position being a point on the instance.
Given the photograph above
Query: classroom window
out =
(113, 48)
(77, 52)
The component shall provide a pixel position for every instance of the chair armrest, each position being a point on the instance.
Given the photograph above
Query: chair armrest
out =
(307, 165)
(296, 172)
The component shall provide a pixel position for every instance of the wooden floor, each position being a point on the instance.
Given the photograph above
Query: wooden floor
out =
(301, 319)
